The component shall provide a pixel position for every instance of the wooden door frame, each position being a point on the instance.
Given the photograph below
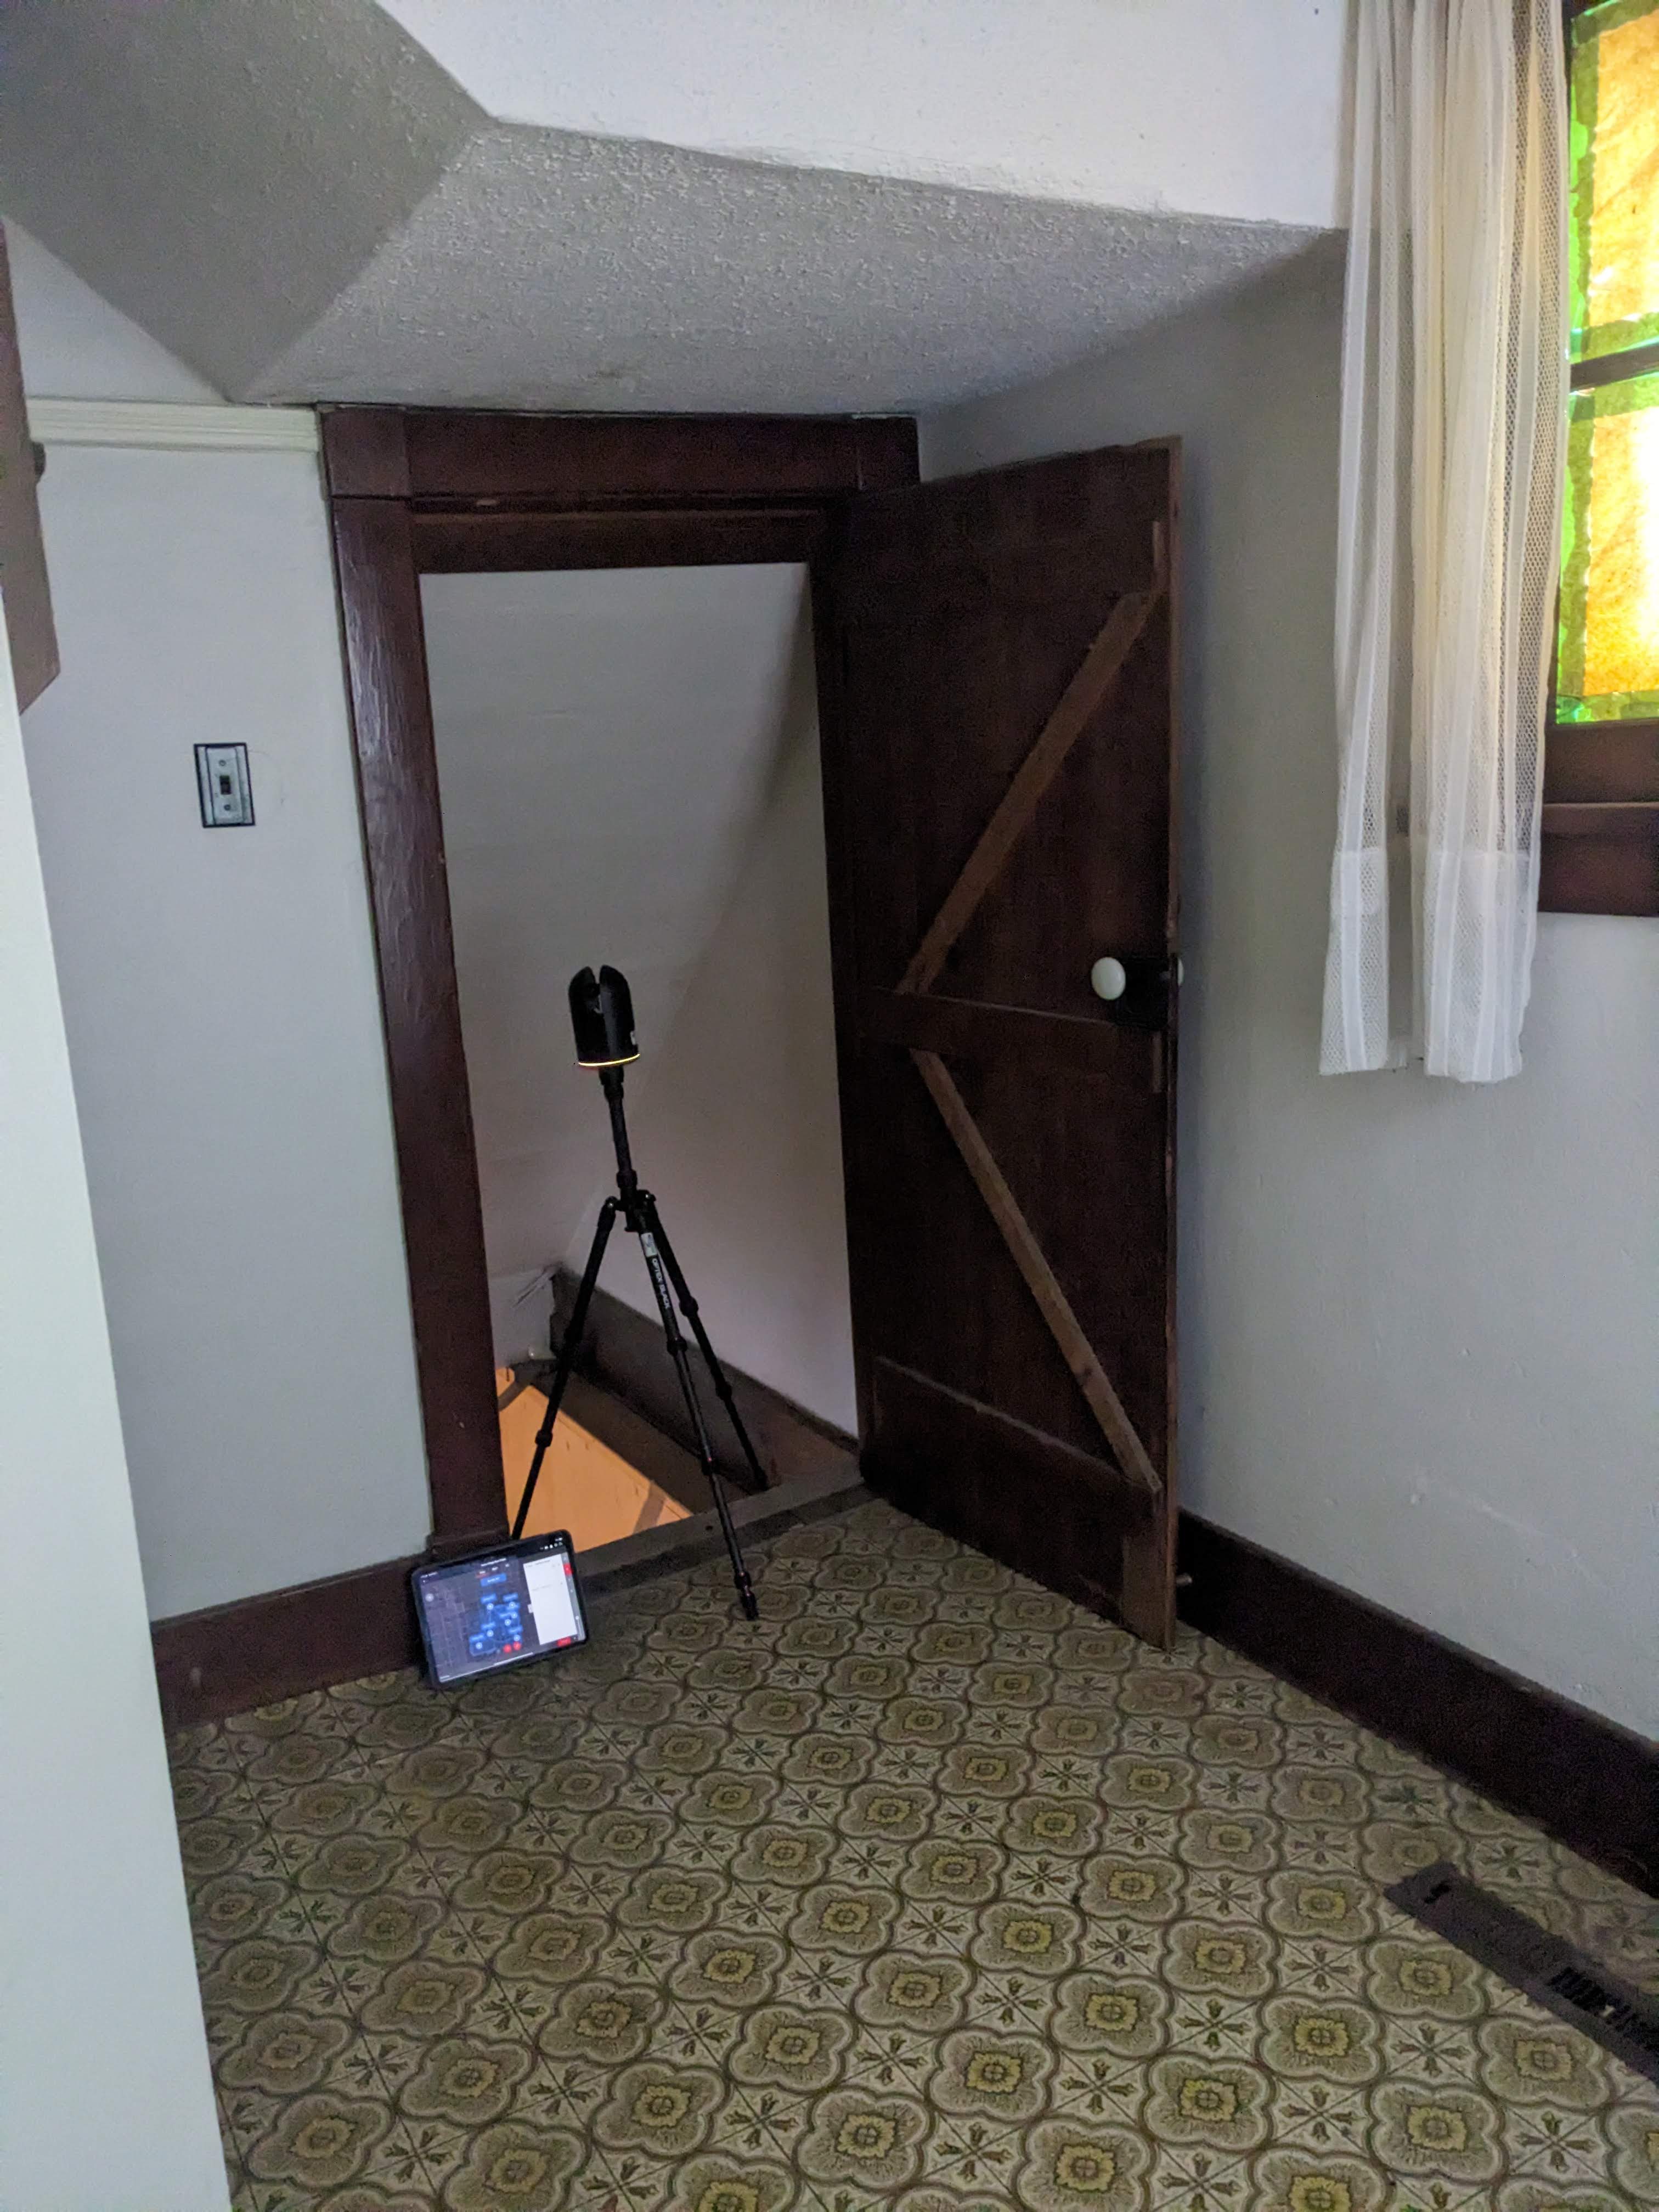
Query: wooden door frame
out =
(414, 492)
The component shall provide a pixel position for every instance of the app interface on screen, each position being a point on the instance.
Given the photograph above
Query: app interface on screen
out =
(491, 1611)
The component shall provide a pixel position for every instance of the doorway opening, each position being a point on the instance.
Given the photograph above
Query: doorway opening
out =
(997, 654)
(587, 1486)
(628, 772)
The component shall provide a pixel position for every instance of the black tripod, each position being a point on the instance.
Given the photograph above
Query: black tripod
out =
(638, 1209)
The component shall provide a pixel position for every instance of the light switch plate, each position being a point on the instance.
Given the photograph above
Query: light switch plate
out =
(224, 787)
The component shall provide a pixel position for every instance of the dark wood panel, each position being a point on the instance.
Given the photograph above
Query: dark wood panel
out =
(364, 454)
(1042, 1506)
(230, 1658)
(887, 451)
(1602, 818)
(30, 632)
(1611, 761)
(580, 460)
(997, 778)
(1086, 1159)
(989, 517)
(627, 539)
(1582, 872)
(859, 1128)
(960, 1030)
(968, 680)
(1613, 367)
(979, 529)
(1591, 1783)
(1078, 1348)
(432, 1117)
(943, 1296)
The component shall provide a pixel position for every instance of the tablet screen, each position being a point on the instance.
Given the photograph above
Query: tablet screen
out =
(482, 1613)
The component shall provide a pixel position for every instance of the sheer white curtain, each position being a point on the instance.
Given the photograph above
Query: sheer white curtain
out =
(1454, 435)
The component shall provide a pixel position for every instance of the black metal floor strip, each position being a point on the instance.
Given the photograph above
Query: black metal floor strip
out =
(1554, 1972)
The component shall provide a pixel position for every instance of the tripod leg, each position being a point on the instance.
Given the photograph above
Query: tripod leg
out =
(717, 1374)
(650, 1245)
(567, 1347)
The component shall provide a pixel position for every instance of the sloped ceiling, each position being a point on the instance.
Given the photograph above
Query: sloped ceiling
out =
(297, 200)
(76, 346)
(546, 269)
(220, 172)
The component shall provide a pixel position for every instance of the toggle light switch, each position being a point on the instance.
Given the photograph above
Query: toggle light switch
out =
(224, 787)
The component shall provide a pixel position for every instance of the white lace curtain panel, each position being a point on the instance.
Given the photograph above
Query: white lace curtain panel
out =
(1453, 451)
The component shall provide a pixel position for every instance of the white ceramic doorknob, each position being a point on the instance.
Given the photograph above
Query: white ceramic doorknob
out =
(1108, 978)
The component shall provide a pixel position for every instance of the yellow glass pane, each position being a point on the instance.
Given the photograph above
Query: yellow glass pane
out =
(1616, 176)
(1621, 630)
(1608, 667)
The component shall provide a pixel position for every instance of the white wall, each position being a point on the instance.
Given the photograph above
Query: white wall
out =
(1417, 1321)
(220, 991)
(628, 770)
(108, 2100)
(1201, 104)
(737, 1128)
(603, 739)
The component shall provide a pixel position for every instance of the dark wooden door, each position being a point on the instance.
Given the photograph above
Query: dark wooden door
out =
(997, 670)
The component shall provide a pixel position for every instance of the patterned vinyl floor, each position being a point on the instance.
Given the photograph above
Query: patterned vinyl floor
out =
(932, 1892)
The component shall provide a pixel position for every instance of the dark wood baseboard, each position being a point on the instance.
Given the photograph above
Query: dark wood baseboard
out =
(624, 1354)
(1593, 1786)
(230, 1658)
(611, 1569)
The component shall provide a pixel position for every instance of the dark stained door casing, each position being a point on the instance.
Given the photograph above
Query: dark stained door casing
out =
(997, 668)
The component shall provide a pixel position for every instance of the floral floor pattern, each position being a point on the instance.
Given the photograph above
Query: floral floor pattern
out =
(931, 1891)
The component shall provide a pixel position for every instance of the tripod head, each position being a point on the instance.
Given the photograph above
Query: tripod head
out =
(602, 1017)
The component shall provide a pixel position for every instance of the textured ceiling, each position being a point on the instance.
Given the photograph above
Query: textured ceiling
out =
(299, 204)
(551, 270)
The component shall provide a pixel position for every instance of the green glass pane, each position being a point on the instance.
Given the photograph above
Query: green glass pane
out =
(1609, 668)
(1613, 234)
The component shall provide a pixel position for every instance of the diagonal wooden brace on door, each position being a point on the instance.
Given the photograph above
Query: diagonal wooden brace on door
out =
(1083, 696)
(1064, 1326)
(1086, 692)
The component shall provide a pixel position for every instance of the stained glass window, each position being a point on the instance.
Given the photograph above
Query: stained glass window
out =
(1615, 228)
(1608, 665)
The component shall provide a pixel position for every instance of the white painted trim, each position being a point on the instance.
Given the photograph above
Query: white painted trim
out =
(172, 424)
